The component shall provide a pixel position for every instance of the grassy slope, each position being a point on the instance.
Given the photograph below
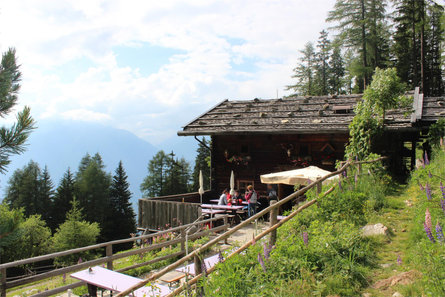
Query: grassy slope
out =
(403, 215)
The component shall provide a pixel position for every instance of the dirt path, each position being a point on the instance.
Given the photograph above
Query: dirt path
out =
(393, 269)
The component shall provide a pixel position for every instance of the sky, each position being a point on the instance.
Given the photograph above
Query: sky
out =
(150, 67)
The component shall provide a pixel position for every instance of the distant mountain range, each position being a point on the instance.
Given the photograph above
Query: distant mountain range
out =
(62, 144)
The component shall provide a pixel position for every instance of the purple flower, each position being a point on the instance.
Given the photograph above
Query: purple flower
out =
(427, 161)
(339, 185)
(428, 191)
(428, 233)
(428, 219)
(64, 278)
(204, 268)
(442, 189)
(429, 174)
(261, 261)
(439, 232)
(266, 251)
(399, 260)
(305, 238)
(345, 174)
(422, 188)
(220, 257)
(442, 204)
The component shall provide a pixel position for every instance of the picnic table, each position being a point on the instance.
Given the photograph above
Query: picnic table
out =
(217, 200)
(212, 211)
(225, 207)
(114, 281)
(209, 262)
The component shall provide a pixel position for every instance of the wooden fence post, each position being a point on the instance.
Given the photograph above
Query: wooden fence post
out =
(273, 221)
(3, 282)
(109, 253)
(319, 187)
(198, 270)
(226, 222)
(183, 241)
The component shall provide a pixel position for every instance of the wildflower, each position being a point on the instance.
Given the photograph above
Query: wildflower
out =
(64, 278)
(427, 161)
(439, 232)
(204, 268)
(220, 257)
(339, 185)
(428, 219)
(429, 174)
(422, 188)
(261, 261)
(399, 260)
(345, 174)
(428, 233)
(305, 238)
(266, 251)
(428, 191)
(442, 189)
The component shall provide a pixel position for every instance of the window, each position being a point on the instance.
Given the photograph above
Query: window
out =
(242, 185)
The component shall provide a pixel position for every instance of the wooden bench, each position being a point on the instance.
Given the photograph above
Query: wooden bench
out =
(116, 282)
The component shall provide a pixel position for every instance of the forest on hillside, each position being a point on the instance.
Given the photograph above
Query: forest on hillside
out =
(369, 34)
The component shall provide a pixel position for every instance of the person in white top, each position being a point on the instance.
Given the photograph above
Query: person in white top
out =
(223, 197)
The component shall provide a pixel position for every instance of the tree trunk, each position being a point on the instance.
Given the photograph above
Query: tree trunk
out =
(422, 46)
(365, 62)
(414, 48)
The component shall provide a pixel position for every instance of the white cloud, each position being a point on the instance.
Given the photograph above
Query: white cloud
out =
(85, 115)
(212, 34)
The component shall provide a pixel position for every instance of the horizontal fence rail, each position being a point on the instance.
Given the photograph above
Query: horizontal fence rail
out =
(109, 258)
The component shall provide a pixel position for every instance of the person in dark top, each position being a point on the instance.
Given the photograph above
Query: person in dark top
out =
(271, 193)
(238, 198)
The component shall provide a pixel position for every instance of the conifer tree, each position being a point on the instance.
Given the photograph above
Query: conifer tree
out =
(73, 233)
(62, 200)
(46, 193)
(322, 64)
(27, 188)
(202, 164)
(92, 186)
(12, 139)
(336, 71)
(167, 175)
(362, 27)
(304, 72)
(122, 216)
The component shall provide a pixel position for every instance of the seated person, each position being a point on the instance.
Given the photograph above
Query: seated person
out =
(238, 198)
(223, 197)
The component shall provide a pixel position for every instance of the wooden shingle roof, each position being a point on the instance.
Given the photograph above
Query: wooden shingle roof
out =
(315, 115)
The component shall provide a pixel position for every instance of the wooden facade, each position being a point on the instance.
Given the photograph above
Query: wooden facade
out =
(254, 137)
(250, 156)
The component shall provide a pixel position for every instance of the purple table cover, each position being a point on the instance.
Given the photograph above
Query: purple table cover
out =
(118, 282)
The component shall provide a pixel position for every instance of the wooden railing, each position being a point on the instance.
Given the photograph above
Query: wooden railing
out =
(272, 210)
(109, 256)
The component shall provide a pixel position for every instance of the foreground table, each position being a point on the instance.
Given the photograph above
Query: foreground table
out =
(225, 207)
(117, 282)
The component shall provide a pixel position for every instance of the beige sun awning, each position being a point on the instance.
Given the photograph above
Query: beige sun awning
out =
(296, 176)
